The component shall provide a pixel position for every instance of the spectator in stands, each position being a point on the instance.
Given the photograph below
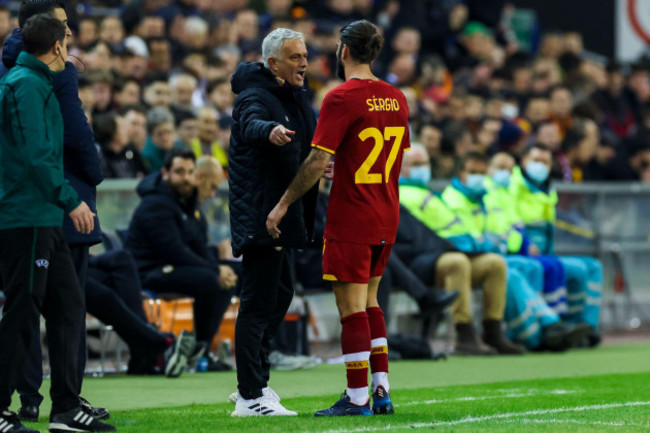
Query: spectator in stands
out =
(111, 30)
(126, 92)
(5, 23)
(135, 117)
(536, 199)
(619, 117)
(88, 32)
(160, 54)
(187, 128)
(561, 104)
(206, 142)
(458, 272)
(579, 146)
(119, 158)
(168, 239)
(113, 295)
(209, 175)
(220, 96)
(160, 138)
(156, 91)
(182, 87)
(102, 85)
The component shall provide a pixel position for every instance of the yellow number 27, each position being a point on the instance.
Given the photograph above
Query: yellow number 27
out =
(363, 174)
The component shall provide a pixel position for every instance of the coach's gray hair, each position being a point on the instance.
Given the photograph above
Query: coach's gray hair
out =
(272, 43)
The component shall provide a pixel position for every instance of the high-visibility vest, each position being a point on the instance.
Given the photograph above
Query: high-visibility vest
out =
(502, 217)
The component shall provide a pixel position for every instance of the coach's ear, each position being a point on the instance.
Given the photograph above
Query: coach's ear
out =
(273, 65)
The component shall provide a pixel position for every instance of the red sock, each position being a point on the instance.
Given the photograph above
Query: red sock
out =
(355, 342)
(379, 344)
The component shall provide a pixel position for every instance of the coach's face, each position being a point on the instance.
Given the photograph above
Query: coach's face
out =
(292, 64)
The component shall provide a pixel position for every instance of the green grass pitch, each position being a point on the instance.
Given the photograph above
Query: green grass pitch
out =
(601, 390)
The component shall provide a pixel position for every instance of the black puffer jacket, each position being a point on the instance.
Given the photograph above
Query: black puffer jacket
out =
(415, 238)
(165, 230)
(259, 171)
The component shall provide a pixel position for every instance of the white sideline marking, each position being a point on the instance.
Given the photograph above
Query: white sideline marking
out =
(472, 419)
(529, 393)
(572, 421)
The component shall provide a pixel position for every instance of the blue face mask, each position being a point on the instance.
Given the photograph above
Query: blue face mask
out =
(502, 178)
(475, 182)
(537, 171)
(421, 173)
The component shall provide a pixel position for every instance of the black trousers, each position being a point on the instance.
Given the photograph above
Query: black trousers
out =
(29, 383)
(266, 293)
(397, 274)
(39, 277)
(202, 284)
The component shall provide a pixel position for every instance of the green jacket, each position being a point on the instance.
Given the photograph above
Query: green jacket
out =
(503, 218)
(536, 208)
(471, 210)
(33, 192)
(428, 207)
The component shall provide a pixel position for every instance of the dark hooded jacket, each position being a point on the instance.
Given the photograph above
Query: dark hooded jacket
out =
(167, 230)
(80, 157)
(259, 171)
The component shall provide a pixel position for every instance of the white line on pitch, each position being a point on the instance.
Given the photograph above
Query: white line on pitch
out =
(571, 421)
(471, 419)
(529, 393)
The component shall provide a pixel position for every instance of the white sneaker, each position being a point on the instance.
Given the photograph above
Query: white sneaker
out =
(261, 406)
(268, 391)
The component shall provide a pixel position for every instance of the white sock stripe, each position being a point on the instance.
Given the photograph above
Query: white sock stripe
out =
(79, 415)
(359, 356)
(378, 342)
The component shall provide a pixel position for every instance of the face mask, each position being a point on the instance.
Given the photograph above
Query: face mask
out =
(421, 173)
(509, 111)
(502, 178)
(537, 171)
(340, 71)
(475, 182)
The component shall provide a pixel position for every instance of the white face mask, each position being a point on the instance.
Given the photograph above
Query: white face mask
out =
(421, 173)
(537, 171)
(475, 182)
(502, 177)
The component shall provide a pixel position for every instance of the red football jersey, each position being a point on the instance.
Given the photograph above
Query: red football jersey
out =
(365, 124)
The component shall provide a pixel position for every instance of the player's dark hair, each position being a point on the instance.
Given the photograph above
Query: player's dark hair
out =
(29, 8)
(177, 153)
(41, 33)
(363, 40)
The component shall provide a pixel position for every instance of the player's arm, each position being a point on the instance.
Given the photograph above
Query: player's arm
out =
(311, 170)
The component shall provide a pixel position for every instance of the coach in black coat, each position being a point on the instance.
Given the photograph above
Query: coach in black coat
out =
(264, 157)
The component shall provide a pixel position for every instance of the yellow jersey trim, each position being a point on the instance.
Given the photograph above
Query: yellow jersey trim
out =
(324, 149)
(329, 277)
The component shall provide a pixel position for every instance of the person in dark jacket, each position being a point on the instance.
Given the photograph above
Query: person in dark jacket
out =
(168, 239)
(81, 169)
(271, 136)
(36, 264)
(119, 158)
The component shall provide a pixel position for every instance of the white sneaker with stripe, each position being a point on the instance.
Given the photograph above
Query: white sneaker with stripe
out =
(265, 405)
(268, 391)
(77, 420)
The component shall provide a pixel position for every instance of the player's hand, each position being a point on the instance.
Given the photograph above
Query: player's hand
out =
(227, 277)
(280, 135)
(83, 218)
(329, 171)
(533, 250)
(273, 220)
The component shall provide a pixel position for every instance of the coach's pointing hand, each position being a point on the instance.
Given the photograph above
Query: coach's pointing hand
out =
(273, 220)
(280, 135)
(83, 218)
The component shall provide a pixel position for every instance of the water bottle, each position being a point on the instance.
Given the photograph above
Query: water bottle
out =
(202, 365)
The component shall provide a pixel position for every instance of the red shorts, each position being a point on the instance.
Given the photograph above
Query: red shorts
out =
(353, 263)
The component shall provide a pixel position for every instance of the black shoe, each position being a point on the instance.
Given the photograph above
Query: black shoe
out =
(215, 364)
(77, 420)
(178, 355)
(562, 336)
(10, 423)
(97, 412)
(197, 353)
(593, 338)
(493, 336)
(435, 301)
(468, 343)
(28, 414)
